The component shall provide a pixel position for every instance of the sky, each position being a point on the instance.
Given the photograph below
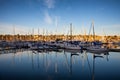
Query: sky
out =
(55, 16)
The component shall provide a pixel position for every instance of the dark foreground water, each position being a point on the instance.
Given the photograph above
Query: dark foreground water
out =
(62, 65)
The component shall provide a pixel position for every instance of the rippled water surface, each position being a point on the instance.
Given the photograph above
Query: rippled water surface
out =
(59, 65)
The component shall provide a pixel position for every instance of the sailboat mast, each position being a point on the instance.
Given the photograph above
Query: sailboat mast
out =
(38, 31)
(33, 34)
(71, 31)
(43, 34)
(14, 33)
(38, 34)
(93, 31)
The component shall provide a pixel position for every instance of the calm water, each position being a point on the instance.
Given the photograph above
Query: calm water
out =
(62, 65)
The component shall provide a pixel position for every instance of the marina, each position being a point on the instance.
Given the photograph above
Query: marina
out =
(59, 39)
(59, 59)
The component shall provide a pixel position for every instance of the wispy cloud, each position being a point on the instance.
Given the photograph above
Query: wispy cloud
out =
(56, 21)
(48, 18)
(50, 3)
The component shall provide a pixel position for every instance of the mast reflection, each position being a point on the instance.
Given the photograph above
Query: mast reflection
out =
(94, 56)
(72, 53)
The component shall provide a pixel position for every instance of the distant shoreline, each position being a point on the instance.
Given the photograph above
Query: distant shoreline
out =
(53, 37)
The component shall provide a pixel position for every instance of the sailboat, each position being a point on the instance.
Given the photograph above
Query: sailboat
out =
(97, 48)
(69, 44)
(94, 47)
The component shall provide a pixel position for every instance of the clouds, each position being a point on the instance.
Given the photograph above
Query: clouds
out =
(50, 3)
(56, 21)
(48, 18)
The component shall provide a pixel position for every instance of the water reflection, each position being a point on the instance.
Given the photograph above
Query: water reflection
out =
(62, 64)
(94, 58)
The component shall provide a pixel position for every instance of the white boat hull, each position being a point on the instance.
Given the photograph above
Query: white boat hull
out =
(97, 49)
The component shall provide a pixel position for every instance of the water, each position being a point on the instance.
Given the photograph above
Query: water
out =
(62, 65)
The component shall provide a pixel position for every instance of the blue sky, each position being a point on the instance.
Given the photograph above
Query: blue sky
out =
(54, 16)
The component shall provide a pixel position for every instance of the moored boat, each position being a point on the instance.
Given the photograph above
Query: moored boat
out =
(97, 49)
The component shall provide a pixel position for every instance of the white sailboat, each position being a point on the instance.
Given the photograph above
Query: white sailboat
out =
(69, 45)
(96, 48)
